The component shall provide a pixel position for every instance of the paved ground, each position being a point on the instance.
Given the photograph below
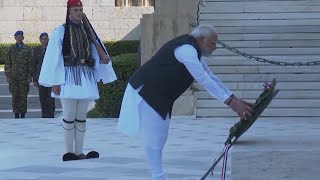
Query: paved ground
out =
(32, 149)
(34, 109)
(279, 149)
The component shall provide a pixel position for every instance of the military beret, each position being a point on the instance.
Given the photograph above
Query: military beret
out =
(18, 33)
(43, 34)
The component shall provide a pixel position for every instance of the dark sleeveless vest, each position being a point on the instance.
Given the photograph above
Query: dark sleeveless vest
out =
(163, 77)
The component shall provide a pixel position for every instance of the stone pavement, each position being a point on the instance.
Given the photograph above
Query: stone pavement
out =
(32, 149)
(281, 149)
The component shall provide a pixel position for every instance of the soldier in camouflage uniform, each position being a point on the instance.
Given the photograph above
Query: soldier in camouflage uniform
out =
(46, 101)
(18, 74)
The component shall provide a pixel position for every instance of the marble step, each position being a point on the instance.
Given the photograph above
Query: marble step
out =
(254, 86)
(270, 51)
(261, 6)
(283, 94)
(276, 103)
(265, 69)
(243, 61)
(258, 16)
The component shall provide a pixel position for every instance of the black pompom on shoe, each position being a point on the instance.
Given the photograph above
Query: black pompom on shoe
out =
(92, 154)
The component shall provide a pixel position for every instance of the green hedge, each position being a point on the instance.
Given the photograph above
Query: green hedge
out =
(111, 94)
(114, 48)
(3, 49)
(121, 47)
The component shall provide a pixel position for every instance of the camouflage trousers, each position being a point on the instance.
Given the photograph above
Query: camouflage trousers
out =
(19, 90)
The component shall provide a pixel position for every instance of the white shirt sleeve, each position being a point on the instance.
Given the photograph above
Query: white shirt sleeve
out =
(213, 76)
(200, 71)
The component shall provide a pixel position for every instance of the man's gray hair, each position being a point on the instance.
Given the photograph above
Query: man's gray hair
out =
(203, 30)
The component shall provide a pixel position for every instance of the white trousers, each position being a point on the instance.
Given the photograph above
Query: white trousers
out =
(74, 123)
(137, 119)
(153, 133)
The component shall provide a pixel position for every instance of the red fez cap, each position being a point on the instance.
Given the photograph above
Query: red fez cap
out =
(73, 3)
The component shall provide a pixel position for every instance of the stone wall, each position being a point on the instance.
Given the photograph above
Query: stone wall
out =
(171, 19)
(36, 16)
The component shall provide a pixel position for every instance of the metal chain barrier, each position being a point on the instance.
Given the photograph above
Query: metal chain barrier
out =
(249, 56)
(263, 60)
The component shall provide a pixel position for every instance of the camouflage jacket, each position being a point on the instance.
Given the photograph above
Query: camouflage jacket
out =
(18, 62)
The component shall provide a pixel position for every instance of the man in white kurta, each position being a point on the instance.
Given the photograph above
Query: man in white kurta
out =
(139, 119)
(73, 64)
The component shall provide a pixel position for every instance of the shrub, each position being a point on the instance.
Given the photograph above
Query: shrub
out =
(114, 47)
(111, 94)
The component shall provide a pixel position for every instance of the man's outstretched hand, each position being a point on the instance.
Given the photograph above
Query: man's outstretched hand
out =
(242, 108)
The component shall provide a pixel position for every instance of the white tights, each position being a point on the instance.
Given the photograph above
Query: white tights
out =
(74, 123)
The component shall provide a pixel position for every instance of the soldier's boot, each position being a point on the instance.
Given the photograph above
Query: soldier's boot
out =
(23, 115)
(16, 115)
